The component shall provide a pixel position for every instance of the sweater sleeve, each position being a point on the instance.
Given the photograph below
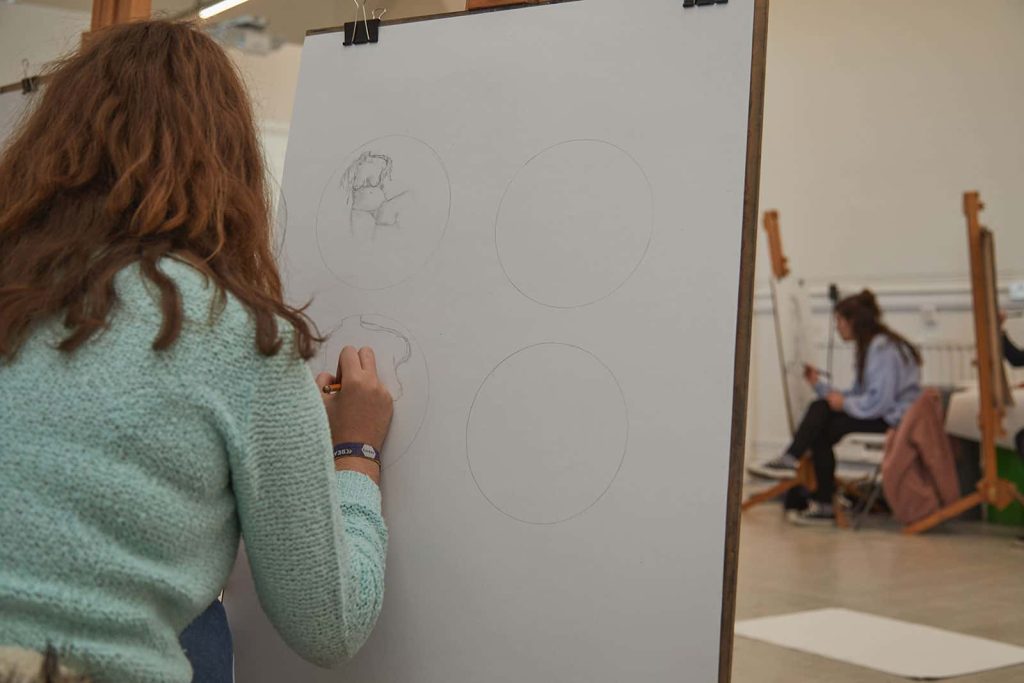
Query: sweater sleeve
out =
(1014, 354)
(315, 538)
(822, 388)
(877, 395)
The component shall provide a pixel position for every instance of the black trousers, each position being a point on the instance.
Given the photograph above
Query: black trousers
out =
(820, 430)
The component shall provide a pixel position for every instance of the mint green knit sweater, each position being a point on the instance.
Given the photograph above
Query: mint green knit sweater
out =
(127, 475)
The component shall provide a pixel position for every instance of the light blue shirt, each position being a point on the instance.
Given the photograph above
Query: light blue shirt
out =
(892, 382)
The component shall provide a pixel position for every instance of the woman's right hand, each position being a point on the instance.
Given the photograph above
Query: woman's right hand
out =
(361, 411)
(811, 374)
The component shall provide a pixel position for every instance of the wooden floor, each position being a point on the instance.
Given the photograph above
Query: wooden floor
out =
(967, 578)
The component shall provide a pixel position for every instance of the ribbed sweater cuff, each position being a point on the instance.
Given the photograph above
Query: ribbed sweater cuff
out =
(356, 487)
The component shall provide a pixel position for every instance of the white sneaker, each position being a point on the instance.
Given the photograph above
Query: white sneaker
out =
(782, 467)
(816, 514)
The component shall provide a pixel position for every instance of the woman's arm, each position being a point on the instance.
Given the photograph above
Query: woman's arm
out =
(1014, 354)
(877, 393)
(315, 538)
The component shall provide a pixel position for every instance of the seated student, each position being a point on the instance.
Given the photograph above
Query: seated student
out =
(888, 381)
(155, 402)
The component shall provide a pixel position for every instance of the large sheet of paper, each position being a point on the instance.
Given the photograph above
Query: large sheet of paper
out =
(535, 217)
(792, 313)
(897, 648)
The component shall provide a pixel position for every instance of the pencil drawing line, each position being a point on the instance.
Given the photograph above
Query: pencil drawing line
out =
(370, 192)
(622, 457)
(373, 201)
(408, 359)
(396, 362)
(505, 268)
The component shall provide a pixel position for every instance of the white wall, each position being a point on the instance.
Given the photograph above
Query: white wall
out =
(37, 34)
(878, 115)
(43, 34)
(271, 80)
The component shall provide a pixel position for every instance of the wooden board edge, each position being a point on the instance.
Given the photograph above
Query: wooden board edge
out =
(445, 15)
(18, 88)
(744, 321)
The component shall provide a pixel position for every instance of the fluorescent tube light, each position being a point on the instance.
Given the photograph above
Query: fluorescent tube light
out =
(218, 7)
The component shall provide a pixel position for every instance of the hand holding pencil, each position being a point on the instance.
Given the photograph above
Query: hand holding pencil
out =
(813, 375)
(358, 405)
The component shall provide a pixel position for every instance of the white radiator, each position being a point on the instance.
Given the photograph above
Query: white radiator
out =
(946, 363)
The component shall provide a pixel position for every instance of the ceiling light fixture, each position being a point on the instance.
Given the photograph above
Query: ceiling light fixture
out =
(218, 7)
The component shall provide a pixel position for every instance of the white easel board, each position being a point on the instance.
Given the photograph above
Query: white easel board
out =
(792, 313)
(543, 219)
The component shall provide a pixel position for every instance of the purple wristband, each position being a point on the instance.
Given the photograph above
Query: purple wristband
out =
(356, 450)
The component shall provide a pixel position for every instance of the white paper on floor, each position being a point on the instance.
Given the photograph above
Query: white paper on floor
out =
(894, 647)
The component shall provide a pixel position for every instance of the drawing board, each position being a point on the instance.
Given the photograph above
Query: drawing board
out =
(543, 219)
(792, 315)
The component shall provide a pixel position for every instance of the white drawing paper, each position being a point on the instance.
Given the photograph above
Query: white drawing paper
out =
(537, 214)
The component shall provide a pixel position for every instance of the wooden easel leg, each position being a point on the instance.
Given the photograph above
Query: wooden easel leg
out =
(804, 476)
(954, 510)
(1019, 496)
(842, 520)
(1000, 494)
(769, 494)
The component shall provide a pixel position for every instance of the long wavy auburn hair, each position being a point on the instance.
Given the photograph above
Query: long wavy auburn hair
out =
(142, 146)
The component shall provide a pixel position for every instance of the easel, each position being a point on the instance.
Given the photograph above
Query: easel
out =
(993, 390)
(805, 471)
(780, 270)
(111, 12)
(26, 86)
(484, 4)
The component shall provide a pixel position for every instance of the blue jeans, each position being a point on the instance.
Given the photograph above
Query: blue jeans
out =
(207, 644)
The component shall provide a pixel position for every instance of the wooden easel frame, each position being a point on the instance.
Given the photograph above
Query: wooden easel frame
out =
(111, 12)
(780, 270)
(992, 388)
(473, 5)
(745, 295)
(744, 323)
(20, 87)
(780, 264)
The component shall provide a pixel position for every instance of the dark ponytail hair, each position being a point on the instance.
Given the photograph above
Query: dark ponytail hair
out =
(865, 317)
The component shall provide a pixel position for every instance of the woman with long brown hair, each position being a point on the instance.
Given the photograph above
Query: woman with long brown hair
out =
(888, 374)
(154, 400)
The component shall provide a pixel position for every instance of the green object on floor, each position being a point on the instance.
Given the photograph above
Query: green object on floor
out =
(1010, 466)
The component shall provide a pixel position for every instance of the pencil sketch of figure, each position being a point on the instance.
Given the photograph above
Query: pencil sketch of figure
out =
(393, 379)
(401, 367)
(383, 211)
(374, 200)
